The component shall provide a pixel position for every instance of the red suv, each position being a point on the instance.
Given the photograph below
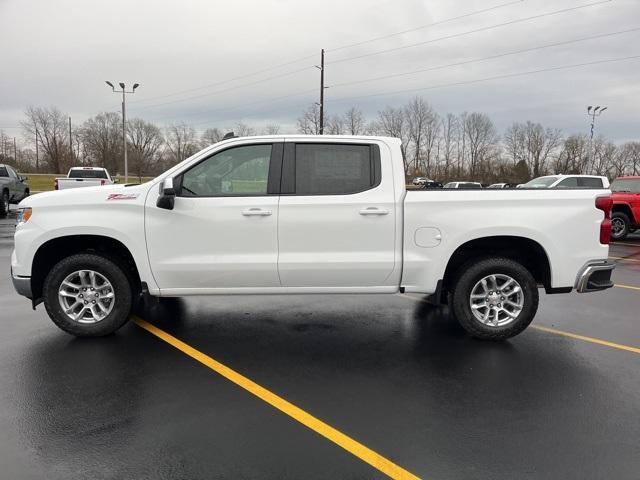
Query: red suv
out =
(625, 218)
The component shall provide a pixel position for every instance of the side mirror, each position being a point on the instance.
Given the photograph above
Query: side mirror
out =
(167, 196)
(115, 180)
(23, 179)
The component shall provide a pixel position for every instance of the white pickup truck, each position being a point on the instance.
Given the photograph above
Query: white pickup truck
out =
(80, 177)
(307, 214)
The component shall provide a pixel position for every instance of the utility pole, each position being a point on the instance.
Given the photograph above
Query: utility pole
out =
(70, 140)
(593, 113)
(322, 92)
(15, 152)
(124, 122)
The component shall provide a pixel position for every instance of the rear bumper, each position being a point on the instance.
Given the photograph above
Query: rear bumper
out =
(595, 276)
(22, 285)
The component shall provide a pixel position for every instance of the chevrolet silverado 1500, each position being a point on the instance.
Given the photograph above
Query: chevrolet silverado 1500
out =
(307, 214)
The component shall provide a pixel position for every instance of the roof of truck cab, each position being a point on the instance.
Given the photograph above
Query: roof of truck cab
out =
(87, 168)
(313, 137)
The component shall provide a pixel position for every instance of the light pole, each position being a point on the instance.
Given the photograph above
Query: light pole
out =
(124, 122)
(593, 113)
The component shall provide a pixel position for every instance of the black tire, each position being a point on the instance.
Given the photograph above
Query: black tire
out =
(4, 204)
(113, 272)
(472, 273)
(623, 219)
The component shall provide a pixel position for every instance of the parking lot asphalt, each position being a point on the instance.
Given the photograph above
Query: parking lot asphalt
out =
(392, 373)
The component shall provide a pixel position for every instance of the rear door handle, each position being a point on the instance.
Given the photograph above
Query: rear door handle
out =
(256, 212)
(374, 211)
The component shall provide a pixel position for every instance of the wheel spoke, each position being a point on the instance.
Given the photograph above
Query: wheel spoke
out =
(496, 300)
(98, 296)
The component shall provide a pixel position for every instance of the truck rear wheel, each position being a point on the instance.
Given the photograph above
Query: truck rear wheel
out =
(494, 298)
(620, 225)
(87, 295)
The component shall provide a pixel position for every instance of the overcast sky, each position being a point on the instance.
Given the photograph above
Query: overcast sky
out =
(61, 52)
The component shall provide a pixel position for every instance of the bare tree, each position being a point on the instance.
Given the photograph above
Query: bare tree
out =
(430, 135)
(211, 136)
(482, 139)
(574, 156)
(449, 128)
(181, 142)
(629, 161)
(417, 113)
(271, 129)
(243, 130)
(309, 122)
(393, 123)
(145, 141)
(354, 121)
(102, 140)
(335, 125)
(532, 143)
(51, 125)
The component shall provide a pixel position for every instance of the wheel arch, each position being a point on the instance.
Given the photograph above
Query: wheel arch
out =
(524, 250)
(54, 250)
(623, 208)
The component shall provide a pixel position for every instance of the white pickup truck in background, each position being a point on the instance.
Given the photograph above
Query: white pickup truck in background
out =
(307, 214)
(84, 177)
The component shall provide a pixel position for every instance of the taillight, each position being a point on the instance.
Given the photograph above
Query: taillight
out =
(605, 204)
(55, 184)
(102, 182)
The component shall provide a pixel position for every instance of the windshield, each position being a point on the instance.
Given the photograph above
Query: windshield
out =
(87, 174)
(626, 185)
(540, 182)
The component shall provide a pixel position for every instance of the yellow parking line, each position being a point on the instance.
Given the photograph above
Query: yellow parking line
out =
(587, 339)
(349, 444)
(569, 334)
(626, 286)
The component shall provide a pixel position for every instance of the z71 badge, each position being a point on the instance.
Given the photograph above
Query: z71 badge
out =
(122, 196)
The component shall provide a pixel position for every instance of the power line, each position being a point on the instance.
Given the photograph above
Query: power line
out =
(240, 77)
(482, 59)
(218, 92)
(342, 47)
(208, 112)
(469, 32)
(439, 22)
(496, 77)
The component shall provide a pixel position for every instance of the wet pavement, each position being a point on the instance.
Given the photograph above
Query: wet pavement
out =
(392, 372)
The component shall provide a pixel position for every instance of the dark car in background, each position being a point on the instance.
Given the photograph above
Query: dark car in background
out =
(13, 188)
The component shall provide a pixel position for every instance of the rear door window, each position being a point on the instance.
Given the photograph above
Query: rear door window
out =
(571, 182)
(589, 182)
(335, 169)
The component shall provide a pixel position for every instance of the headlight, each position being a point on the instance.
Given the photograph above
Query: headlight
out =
(24, 214)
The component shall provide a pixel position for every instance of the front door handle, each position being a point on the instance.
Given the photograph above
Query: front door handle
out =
(256, 212)
(374, 211)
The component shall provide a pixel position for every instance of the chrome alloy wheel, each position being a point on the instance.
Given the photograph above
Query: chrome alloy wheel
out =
(617, 226)
(496, 300)
(86, 296)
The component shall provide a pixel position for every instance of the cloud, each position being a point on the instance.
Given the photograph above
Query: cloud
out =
(60, 53)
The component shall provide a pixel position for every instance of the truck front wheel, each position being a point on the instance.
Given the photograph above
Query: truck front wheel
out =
(87, 295)
(494, 298)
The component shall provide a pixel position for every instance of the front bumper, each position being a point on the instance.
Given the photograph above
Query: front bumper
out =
(595, 276)
(22, 285)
